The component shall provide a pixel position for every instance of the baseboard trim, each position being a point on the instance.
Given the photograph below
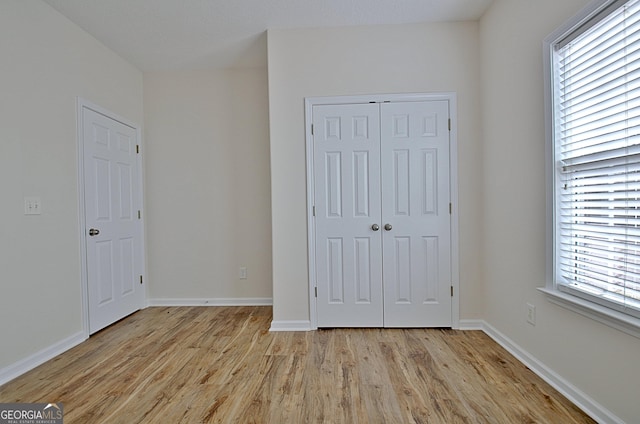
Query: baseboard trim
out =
(580, 399)
(16, 369)
(230, 301)
(290, 326)
(471, 324)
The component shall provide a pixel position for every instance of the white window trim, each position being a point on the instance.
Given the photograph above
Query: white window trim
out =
(623, 322)
(602, 314)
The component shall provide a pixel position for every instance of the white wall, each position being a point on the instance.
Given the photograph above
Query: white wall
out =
(365, 60)
(598, 360)
(209, 175)
(208, 196)
(45, 62)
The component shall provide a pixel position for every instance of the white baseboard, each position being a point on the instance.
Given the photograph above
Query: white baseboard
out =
(580, 399)
(238, 301)
(471, 324)
(290, 326)
(16, 369)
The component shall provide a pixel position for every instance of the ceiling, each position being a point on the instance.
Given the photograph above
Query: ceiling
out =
(167, 35)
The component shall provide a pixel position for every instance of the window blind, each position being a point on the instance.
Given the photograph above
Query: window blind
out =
(597, 138)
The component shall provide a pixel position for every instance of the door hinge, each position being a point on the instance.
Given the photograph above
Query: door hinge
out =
(450, 208)
(137, 148)
(449, 124)
(141, 279)
(314, 211)
(451, 291)
(139, 215)
(311, 129)
(316, 290)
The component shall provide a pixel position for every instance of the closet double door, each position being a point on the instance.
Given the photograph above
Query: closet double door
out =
(382, 214)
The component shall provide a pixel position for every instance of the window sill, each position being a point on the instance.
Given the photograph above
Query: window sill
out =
(606, 316)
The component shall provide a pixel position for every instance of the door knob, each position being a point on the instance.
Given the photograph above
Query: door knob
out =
(375, 227)
(94, 232)
(388, 227)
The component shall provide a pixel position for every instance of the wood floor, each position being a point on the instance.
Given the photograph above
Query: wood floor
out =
(221, 364)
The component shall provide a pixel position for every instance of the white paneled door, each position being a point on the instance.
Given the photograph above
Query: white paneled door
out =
(415, 213)
(113, 231)
(347, 202)
(382, 214)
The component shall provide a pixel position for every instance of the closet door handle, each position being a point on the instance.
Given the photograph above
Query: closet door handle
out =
(375, 227)
(388, 227)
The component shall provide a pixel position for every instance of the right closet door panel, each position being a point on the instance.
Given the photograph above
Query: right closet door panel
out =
(416, 219)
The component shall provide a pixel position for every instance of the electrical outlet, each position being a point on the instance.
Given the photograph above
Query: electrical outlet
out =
(243, 273)
(32, 206)
(531, 314)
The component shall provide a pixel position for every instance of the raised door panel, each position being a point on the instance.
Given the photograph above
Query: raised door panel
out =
(347, 203)
(415, 204)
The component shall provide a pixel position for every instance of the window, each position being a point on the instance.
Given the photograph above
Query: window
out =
(596, 142)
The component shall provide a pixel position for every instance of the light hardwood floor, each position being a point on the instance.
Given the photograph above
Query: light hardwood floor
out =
(221, 364)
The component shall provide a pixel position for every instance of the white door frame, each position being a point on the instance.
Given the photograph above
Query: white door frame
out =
(82, 219)
(309, 102)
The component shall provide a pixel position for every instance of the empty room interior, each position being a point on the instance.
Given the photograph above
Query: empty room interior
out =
(218, 107)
